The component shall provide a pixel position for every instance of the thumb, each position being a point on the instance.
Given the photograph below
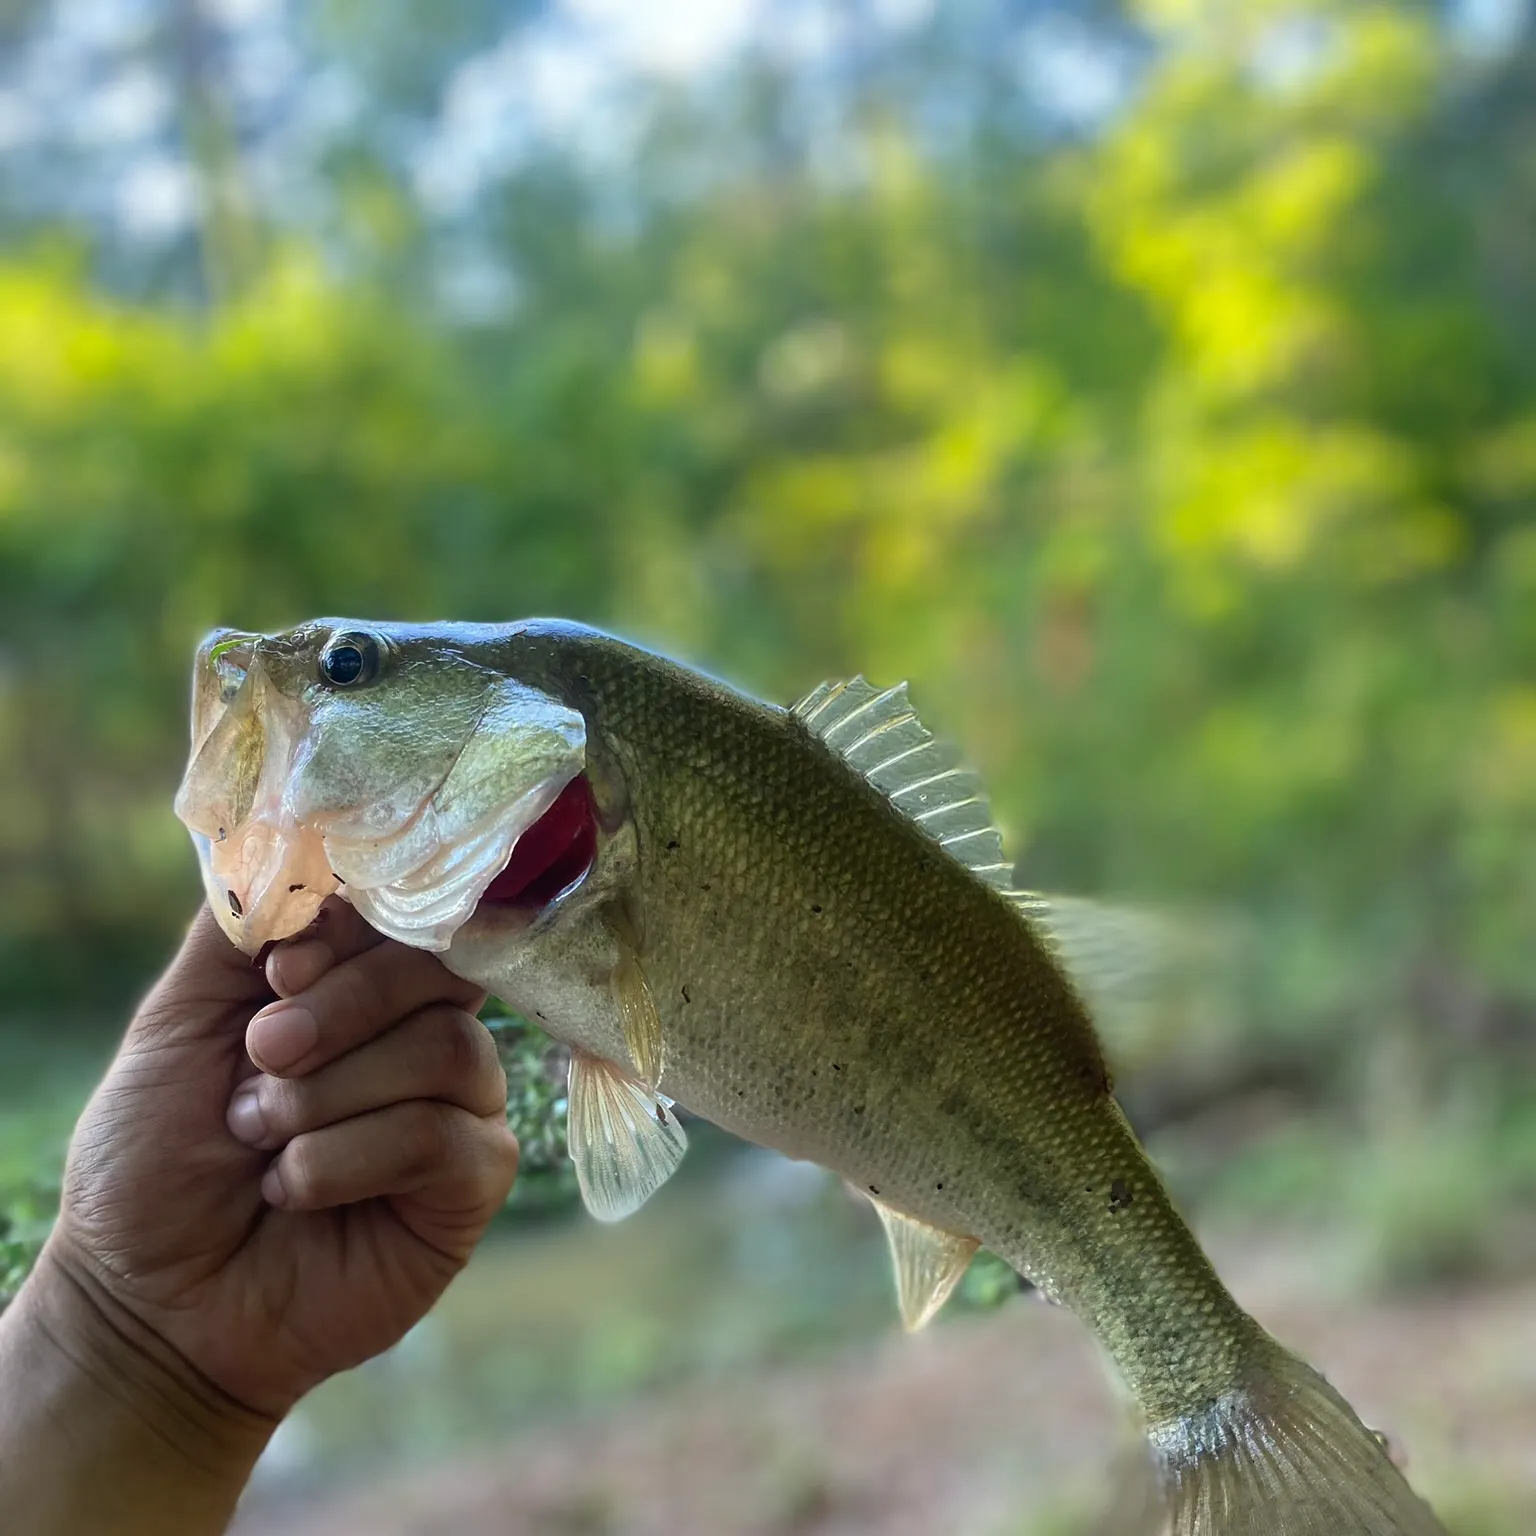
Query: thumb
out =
(207, 980)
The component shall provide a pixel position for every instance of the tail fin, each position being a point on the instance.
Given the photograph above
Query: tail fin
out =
(1282, 1455)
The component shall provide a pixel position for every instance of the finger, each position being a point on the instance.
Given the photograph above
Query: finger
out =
(458, 1166)
(337, 934)
(440, 1052)
(350, 1004)
(207, 980)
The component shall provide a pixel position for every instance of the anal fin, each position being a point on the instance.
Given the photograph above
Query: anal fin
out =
(928, 1263)
(624, 1139)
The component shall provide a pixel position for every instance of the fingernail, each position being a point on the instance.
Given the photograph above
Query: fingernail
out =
(244, 1117)
(296, 967)
(272, 1190)
(280, 1037)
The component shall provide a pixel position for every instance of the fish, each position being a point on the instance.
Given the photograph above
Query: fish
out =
(797, 923)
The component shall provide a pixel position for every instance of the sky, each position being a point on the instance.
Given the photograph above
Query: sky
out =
(90, 126)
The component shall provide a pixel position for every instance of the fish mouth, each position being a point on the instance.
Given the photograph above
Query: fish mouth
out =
(413, 800)
(550, 859)
(265, 876)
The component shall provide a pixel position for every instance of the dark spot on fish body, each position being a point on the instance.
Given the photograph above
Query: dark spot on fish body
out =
(1120, 1196)
(954, 1102)
(873, 1190)
(293, 888)
(234, 905)
(1096, 1076)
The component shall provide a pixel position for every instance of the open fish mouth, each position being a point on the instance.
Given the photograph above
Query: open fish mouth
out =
(552, 857)
(416, 788)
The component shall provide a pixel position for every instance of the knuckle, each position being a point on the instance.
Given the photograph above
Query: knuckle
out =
(498, 1164)
(507, 1152)
(417, 971)
(344, 928)
(361, 996)
(281, 1102)
(463, 1043)
(427, 1140)
(302, 1174)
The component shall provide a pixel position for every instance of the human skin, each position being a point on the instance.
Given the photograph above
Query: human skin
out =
(277, 1178)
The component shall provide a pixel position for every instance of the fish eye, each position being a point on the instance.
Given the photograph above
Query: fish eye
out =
(349, 660)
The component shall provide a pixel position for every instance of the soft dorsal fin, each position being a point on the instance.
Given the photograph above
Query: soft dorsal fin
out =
(1118, 957)
(879, 735)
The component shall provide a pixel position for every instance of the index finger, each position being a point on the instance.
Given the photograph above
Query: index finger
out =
(350, 1004)
(337, 935)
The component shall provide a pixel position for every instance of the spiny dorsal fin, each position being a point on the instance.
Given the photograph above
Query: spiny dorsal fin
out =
(1118, 958)
(928, 1263)
(879, 735)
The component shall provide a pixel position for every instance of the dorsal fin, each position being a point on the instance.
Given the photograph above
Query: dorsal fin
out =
(879, 735)
(1117, 957)
(1113, 953)
(1143, 973)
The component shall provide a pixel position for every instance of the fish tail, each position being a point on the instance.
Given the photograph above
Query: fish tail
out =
(1280, 1455)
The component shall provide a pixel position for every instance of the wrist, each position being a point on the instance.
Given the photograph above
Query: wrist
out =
(103, 1426)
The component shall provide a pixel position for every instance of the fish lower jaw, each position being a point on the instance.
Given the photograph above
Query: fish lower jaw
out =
(264, 884)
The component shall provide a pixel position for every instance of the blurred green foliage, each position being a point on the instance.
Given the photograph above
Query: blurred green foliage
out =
(1184, 461)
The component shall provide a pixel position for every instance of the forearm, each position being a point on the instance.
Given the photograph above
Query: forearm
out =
(104, 1430)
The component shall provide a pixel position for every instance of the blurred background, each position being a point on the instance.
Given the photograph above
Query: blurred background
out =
(1153, 384)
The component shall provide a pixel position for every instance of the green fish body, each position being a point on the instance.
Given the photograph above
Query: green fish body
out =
(797, 925)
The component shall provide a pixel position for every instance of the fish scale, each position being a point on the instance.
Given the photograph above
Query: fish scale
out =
(796, 924)
(964, 1057)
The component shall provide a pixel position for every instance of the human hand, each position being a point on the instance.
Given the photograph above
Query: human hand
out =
(274, 1200)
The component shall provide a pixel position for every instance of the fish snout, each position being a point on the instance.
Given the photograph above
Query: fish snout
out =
(266, 873)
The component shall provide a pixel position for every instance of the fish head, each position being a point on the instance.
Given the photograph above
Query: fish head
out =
(399, 765)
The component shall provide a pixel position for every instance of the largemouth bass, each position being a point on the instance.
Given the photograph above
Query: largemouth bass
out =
(797, 923)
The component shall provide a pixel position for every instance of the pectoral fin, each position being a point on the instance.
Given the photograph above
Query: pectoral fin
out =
(638, 1017)
(625, 1141)
(928, 1262)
